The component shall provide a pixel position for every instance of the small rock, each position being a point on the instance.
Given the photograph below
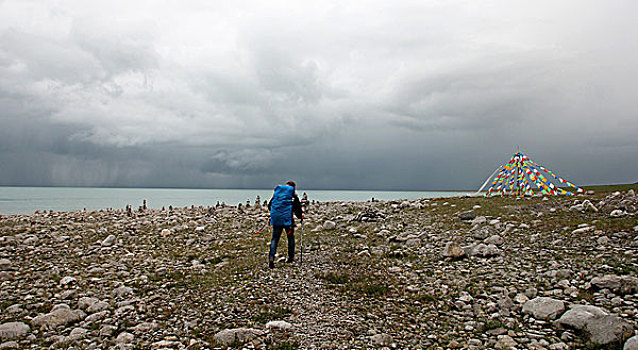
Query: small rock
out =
(236, 336)
(75, 335)
(109, 241)
(559, 346)
(494, 239)
(5, 264)
(145, 327)
(60, 314)
(364, 253)
(329, 225)
(582, 230)
(485, 250)
(577, 207)
(167, 344)
(97, 316)
(631, 343)
(107, 330)
(479, 220)
(505, 342)
(67, 281)
(85, 302)
(14, 309)
(544, 308)
(279, 325)
(521, 298)
(617, 213)
(13, 330)
(97, 307)
(381, 340)
(122, 291)
(603, 241)
(588, 206)
(453, 250)
(125, 338)
(467, 215)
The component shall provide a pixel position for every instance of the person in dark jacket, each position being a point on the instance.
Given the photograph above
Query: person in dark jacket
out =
(282, 205)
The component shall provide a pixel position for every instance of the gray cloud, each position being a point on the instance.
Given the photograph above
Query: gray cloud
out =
(407, 95)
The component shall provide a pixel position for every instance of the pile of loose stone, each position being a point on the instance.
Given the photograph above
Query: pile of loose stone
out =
(465, 273)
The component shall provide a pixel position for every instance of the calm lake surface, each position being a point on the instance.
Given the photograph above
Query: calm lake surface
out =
(26, 200)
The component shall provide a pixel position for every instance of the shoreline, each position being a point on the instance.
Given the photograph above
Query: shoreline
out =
(28, 200)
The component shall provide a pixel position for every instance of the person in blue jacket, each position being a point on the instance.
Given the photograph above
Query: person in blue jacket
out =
(282, 205)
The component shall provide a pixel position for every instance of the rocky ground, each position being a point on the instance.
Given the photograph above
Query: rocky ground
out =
(470, 273)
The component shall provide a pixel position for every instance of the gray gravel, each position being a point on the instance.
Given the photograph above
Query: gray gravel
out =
(470, 273)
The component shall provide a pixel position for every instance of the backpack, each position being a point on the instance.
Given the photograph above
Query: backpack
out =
(281, 206)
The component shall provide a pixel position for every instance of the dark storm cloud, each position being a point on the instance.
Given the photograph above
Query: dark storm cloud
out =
(408, 95)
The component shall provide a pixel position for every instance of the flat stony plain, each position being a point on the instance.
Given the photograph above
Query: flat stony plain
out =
(451, 273)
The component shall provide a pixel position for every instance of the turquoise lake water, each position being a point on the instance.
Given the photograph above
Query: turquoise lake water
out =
(26, 200)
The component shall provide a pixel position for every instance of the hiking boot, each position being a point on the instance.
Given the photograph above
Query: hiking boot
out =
(271, 264)
(290, 260)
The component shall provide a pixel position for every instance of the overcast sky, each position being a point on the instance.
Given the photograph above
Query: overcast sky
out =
(419, 95)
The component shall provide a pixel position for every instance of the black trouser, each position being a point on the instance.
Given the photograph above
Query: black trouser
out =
(276, 234)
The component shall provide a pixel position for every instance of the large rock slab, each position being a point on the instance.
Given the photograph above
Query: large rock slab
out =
(236, 336)
(60, 315)
(598, 325)
(579, 315)
(617, 284)
(13, 330)
(608, 330)
(544, 308)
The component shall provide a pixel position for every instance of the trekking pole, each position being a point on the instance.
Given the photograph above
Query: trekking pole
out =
(258, 232)
(301, 244)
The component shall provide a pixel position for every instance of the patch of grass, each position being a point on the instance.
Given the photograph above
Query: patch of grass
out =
(493, 324)
(368, 288)
(334, 277)
(626, 223)
(586, 295)
(271, 313)
(612, 188)
(286, 346)
(612, 346)
(425, 298)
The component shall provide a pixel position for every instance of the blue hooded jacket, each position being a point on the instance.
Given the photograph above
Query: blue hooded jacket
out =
(281, 206)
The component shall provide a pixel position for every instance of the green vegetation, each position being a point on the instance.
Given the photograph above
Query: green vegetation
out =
(271, 313)
(333, 277)
(612, 188)
(286, 346)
